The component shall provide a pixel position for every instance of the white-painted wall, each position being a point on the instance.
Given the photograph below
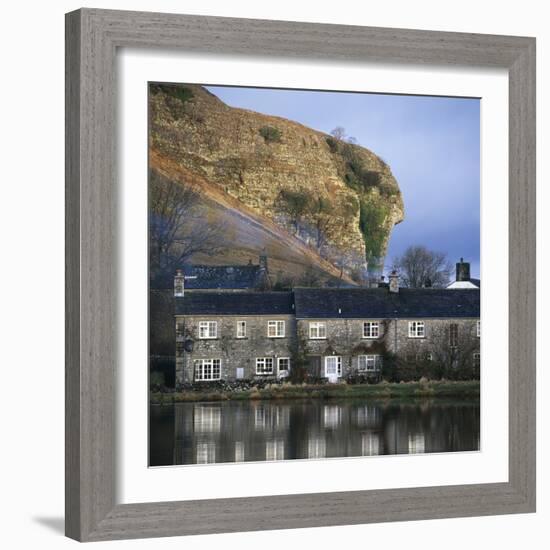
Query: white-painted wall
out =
(32, 138)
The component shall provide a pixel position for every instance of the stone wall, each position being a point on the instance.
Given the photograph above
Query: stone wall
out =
(345, 339)
(234, 352)
(436, 334)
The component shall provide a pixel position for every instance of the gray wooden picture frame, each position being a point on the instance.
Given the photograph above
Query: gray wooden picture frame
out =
(92, 39)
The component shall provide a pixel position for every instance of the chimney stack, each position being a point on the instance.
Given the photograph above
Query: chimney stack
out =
(382, 282)
(394, 281)
(179, 284)
(462, 270)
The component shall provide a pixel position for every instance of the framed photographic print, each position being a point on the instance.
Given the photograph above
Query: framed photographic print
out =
(276, 238)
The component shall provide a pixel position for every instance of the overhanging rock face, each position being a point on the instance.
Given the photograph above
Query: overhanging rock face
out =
(338, 199)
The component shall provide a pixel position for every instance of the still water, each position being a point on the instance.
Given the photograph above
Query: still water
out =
(201, 433)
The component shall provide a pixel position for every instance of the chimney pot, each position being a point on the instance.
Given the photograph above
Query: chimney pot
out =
(179, 283)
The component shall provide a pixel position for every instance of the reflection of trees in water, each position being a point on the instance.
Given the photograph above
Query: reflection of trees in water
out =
(271, 430)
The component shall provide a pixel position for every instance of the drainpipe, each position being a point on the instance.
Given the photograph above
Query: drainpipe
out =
(395, 335)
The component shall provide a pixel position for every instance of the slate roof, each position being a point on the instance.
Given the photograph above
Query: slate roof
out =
(379, 303)
(230, 277)
(235, 303)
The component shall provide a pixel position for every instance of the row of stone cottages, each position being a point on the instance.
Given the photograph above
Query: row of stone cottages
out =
(229, 334)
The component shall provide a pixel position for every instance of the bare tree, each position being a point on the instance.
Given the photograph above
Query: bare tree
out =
(178, 225)
(453, 354)
(338, 133)
(419, 267)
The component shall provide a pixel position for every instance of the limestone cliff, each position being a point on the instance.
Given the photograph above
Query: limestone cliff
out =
(338, 200)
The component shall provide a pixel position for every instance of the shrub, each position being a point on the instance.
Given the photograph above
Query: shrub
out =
(371, 220)
(270, 134)
(332, 144)
(178, 92)
(156, 380)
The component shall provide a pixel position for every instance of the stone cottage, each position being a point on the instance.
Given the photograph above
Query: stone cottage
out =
(229, 335)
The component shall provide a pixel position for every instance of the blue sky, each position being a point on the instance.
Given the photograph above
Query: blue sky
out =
(431, 144)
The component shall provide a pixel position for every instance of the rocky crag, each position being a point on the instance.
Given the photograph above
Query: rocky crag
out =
(311, 200)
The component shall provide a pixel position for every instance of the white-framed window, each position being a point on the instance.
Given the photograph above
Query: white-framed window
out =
(208, 329)
(371, 329)
(241, 329)
(477, 359)
(453, 335)
(416, 329)
(369, 363)
(317, 330)
(429, 356)
(478, 329)
(264, 365)
(333, 365)
(276, 329)
(208, 369)
(283, 365)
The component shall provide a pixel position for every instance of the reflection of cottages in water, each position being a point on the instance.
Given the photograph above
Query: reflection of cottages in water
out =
(417, 443)
(269, 417)
(239, 451)
(231, 432)
(316, 447)
(370, 444)
(368, 416)
(259, 418)
(406, 434)
(206, 452)
(207, 418)
(275, 449)
(332, 416)
(238, 432)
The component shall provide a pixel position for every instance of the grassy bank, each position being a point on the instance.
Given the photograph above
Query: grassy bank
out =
(463, 389)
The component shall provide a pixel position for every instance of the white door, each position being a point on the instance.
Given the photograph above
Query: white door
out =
(333, 368)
